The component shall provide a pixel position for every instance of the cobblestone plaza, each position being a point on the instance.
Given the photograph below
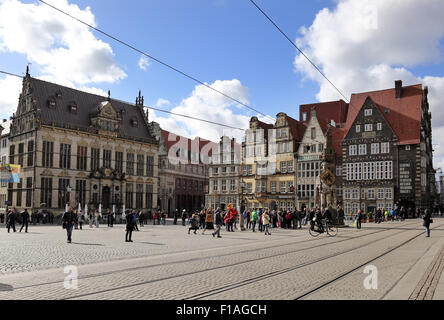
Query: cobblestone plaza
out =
(164, 262)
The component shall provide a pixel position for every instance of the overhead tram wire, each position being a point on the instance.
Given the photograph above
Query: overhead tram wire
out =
(303, 54)
(157, 60)
(160, 110)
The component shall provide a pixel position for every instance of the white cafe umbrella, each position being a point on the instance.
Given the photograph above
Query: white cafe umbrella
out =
(100, 210)
(86, 211)
(80, 208)
(114, 211)
(123, 212)
(66, 208)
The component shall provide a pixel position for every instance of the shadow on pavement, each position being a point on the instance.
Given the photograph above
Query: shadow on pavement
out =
(88, 244)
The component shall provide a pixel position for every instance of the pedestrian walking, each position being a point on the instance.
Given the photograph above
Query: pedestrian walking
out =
(96, 219)
(218, 221)
(359, 219)
(141, 219)
(81, 219)
(154, 218)
(253, 218)
(25, 220)
(10, 220)
(69, 219)
(184, 216)
(266, 222)
(164, 216)
(134, 218)
(427, 221)
(129, 226)
(176, 216)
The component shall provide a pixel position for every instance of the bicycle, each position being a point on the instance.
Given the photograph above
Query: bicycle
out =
(332, 230)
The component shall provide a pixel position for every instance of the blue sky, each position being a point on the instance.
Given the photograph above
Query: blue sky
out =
(209, 39)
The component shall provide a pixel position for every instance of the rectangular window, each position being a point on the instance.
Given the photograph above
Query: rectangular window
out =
(283, 187)
(369, 127)
(250, 170)
(362, 149)
(149, 196)
(65, 156)
(338, 171)
(224, 185)
(29, 192)
(19, 193)
(283, 167)
(362, 194)
(30, 153)
(375, 148)
(215, 185)
(82, 157)
(21, 150)
(95, 156)
(264, 186)
(140, 166)
(139, 196)
(81, 192)
(347, 194)
(371, 194)
(379, 126)
(48, 154)
(46, 192)
(358, 128)
(273, 187)
(107, 159)
(385, 147)
(249, 188)
(352, 150)
(388, 194)
(130, 164)
(232, 185)
(289, 166)
(321, 147)
(380, 194)
(150, 166)
(368, 112)
(119, 161)
(129, 196)
(11, 154)
(313, 133)
(63, 194)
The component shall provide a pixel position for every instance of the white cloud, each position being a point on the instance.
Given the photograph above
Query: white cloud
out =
(10, 88)
(162, 103)
(367, 45)
(65, 51)
(207, 104)
(144, 63)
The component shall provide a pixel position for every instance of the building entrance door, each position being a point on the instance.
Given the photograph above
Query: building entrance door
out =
(106, 196)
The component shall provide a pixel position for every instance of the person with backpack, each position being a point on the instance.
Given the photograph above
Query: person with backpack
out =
(184, 216)
(134, 218)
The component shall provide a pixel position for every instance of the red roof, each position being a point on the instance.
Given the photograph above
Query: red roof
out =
(297, 128)
(326, 111)
(404, 114)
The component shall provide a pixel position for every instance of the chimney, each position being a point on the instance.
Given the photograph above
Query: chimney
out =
(4, 120)
(398, 87)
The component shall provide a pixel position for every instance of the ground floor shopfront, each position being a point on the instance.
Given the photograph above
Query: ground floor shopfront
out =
(271, 202)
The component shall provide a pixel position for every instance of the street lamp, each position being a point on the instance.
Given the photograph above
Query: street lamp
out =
(241, 214)
(68, 190)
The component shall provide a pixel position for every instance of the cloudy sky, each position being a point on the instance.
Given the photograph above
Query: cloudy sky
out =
(360, 45)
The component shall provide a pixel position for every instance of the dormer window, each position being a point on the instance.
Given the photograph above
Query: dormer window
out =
(58, 94)
(134, 123)
(73, 107)
(52, 103)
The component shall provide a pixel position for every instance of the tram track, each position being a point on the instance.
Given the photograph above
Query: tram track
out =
(212, 292)
(293, 268)
(144, 267)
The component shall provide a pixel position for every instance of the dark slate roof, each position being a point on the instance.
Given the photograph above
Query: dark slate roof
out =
(87, 104)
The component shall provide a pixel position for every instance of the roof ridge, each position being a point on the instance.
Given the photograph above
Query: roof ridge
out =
(388, 89)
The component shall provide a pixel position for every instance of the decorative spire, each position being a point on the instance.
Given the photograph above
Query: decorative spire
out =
(109, 95)
(139, 99)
